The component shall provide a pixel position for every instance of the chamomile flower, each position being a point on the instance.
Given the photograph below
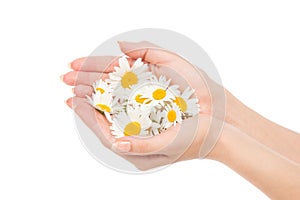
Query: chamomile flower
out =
(187, 105)
(157, 91)
(139, 99)
(136, 97)
(125, 77)
(103, 103)
(172, 115)
(102, 87)
(134, 122)
(162, 81)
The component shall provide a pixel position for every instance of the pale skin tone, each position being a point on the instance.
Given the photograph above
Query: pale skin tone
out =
(261, 151)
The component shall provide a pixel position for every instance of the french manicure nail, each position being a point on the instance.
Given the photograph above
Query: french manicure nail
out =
(69, 66)
(61, 77)
(69, 103)
(119, 43)
(124, 146)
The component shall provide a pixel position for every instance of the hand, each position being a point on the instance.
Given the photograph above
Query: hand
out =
(177, 143)
(251, 145)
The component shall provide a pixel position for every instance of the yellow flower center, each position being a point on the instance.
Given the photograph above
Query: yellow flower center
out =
(171, 116)
(132, 128)
(139, 99)
(103, 107)
(181, 103)
(100, 90)
(159, 94)
(129, 79)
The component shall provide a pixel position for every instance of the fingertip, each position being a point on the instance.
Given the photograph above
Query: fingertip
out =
(134, 145)
(77, 63)
(121, 146)
(140, 49)
(69, 78)
(73, 64)
(69, 102)
(127, 46)
(120, 42)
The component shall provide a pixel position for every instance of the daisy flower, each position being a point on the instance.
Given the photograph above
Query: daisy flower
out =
(136, 97)
(135, 122)
(186, 105)
(103, 103)
(102, 87)
(157, 91)
(125, 76)
(172, 115)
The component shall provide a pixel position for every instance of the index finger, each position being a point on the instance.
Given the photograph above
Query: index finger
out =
(97, 63)
(94, 63)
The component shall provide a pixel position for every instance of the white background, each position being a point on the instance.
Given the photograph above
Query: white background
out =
(255, 46)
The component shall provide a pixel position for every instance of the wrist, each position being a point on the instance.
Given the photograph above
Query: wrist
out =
(261, 129)
(242, 117)
(227, 141)
(248, 121)
(217, 153)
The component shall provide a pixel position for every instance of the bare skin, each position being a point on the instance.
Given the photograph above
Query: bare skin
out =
(272, 135)
(275, 175)
(261, 151)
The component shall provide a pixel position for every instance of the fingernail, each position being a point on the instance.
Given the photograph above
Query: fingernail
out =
(124, 146)
(69, 65)
(61, 77)
(69, 102)
(73, 90)
(119, 43)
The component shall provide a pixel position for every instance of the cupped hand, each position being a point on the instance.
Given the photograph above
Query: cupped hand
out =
(180, 142)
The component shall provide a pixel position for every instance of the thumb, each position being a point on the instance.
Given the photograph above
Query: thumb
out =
(149, 52)
(148, 145)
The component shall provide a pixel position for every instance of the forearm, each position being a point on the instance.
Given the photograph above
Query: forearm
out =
(278, 138)
(276, 176)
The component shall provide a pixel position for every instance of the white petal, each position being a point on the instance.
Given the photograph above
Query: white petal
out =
(137, 63)
(108, 117)
(123, 62)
